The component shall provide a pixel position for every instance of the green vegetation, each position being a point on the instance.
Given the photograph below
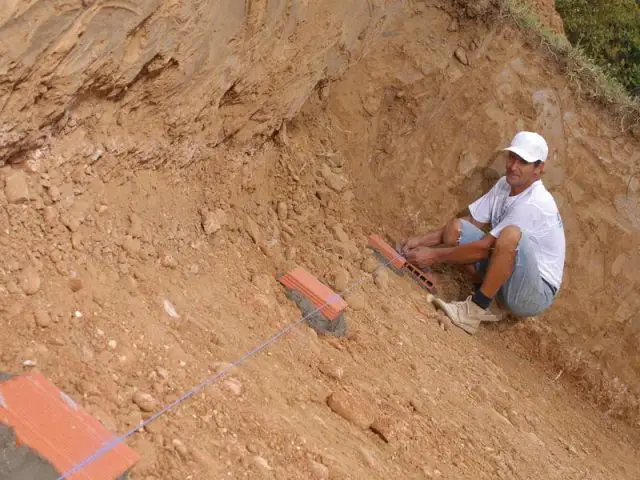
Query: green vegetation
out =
(588, 73)
(609, 33)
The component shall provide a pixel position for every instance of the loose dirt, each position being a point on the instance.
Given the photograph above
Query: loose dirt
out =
(165, 160)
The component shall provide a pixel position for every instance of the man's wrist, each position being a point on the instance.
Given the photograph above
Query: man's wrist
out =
(441, 254)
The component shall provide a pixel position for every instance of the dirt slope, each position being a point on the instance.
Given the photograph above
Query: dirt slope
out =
(195, 72)
(167, 195)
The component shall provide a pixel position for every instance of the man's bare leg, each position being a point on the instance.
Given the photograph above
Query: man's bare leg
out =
(450, 238)
(469, 314)
(500, 266)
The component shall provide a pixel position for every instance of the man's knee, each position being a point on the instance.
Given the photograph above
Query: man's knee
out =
(451, 233)
(508, 239)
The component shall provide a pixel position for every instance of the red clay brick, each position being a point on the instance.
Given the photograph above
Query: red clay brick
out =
(318, 293)
(425, 278)
(387, 251)
(50, 423)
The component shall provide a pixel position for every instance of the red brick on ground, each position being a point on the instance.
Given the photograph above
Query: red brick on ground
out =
(50, 423)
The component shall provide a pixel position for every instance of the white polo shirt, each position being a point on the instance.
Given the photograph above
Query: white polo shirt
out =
(535, 212)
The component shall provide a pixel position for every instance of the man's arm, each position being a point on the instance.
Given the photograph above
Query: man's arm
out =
(433, 238)
(475, 222)
(461, 254)
(467, 253)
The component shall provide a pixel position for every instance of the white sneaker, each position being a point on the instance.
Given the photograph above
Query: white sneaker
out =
(465, 314)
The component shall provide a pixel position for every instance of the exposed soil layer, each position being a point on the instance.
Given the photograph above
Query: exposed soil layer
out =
(165, 160)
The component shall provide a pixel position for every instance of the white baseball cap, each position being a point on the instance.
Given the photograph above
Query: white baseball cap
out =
(530, 146)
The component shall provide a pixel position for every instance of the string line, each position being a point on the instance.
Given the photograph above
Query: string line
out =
(207, 381)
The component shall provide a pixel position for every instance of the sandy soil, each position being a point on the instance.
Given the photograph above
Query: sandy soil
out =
(143, 227)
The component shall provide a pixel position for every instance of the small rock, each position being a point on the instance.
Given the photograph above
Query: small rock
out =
(340, 280)
(282, 211)
(180, 447)
(75, 284)
(368, 456)
(213, 221)
(331, 371)
(370, 264)
(144, 401)
(263, 281)
(417, 406)
(356, 301)
(535, 440)
(430, 473)
(71, 222)
(96, 155)
(514, 418)
(572, 450)
(112, 344)
(290, 253)
(223, 367)
(30, 281)
(194, 269)
(135, 229)
(170, 308)
(383, 428)
(597, 350)
(253, 230)
(131, 245)
(50, 215)
(319, 470)
(88, 388)
(453, 26)
(288, 230)
(169, 261)
(16, 188)
(54, 194)
(340, 234)
(324, 92)
(42, 317)
(334, 181)
(12, 287)
(371, 104)
(349, 409)
(480, 392)
(13, 265)
(461, 56)
(381, 279)
(261, 463)
(76, 240)
(234, 385)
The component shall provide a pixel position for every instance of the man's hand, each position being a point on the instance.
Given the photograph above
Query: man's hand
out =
(409, 244)
(422, 256)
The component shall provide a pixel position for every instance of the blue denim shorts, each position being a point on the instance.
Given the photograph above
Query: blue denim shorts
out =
(524, 293)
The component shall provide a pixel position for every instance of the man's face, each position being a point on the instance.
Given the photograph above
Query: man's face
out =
(521, 173)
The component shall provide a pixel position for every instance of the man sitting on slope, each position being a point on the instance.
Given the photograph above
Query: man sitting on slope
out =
(520, 260)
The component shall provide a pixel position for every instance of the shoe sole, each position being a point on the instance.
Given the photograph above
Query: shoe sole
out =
(445, 308)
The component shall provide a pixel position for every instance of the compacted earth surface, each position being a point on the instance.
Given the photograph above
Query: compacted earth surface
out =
(166, 161)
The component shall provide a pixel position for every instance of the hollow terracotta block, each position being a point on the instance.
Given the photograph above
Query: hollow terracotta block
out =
(59, 430)
(326, 300)
(425, 279)
(387, 251)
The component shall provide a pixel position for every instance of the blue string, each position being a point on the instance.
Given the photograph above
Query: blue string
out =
(116, 441)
